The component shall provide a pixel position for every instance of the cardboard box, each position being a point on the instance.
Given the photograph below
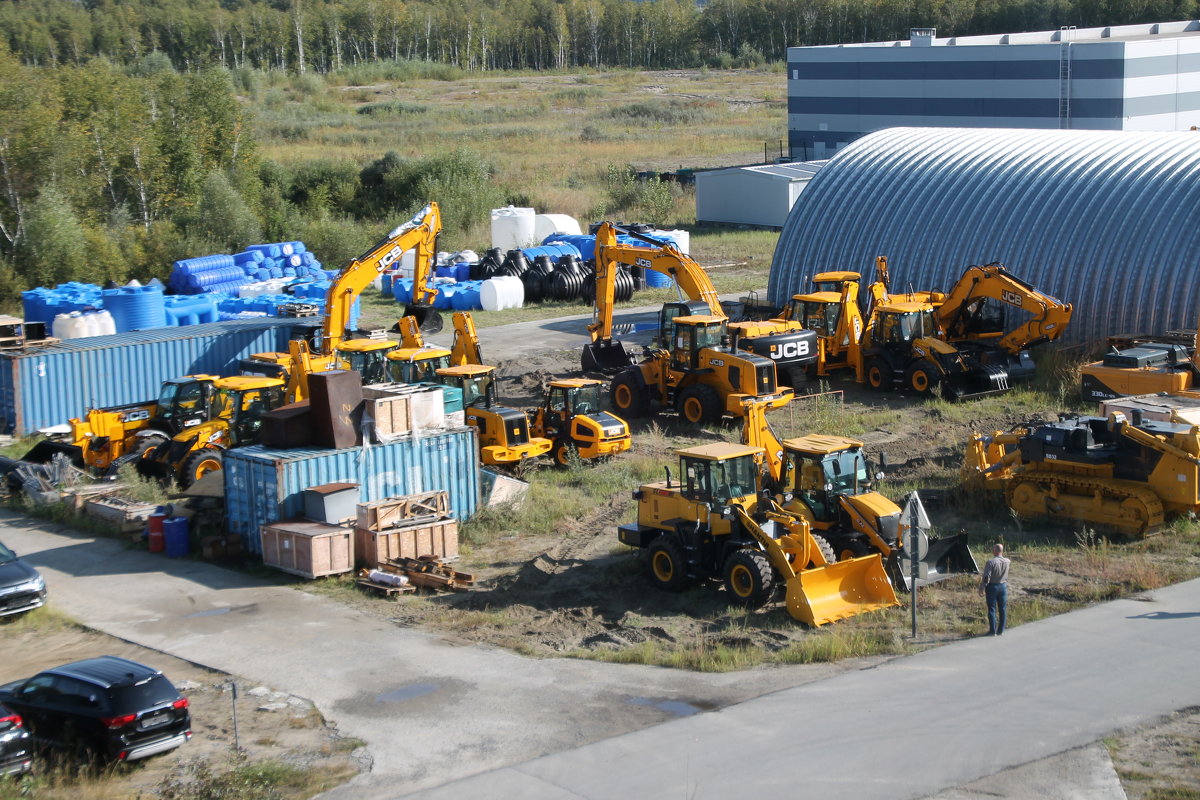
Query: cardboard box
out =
(308, 549)
(439, 539)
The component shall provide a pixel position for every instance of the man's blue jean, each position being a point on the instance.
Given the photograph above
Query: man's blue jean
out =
(997, 604)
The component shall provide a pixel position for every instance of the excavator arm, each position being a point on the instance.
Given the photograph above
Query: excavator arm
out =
(756, 432)
(465, 349)
(421, 233)
(959, 314)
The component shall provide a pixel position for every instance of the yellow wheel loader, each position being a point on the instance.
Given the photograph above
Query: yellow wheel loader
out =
(1113, 473)
(237, 406)
(715, 523)
(503, 433)
(571, 416)
(827, 480)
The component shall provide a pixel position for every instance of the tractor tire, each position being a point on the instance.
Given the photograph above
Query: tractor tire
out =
(749, 579)
(199, 464)
(562, 452)
(699, 405)
(879, 375)
(664, 565)
(852, 548)
(922, 377)
(826, 550)
(143, 446)
(628, 396)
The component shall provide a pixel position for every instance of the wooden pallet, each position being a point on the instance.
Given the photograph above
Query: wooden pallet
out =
(430, 573)
(384, 514)
(383, 588)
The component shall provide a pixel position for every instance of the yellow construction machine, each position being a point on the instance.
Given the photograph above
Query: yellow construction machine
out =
(827, 480)
(237, 406)
(503, 433)
(414, 361)
(1111, 472)
(785, 343)
(572, 416)
(1170, 363)
(715, 522)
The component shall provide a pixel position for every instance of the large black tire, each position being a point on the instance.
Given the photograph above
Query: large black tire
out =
(879, 374)
(749, 579)
(143, 446)
(922, 377)
(699, 405)
(628, 395)
(562, 452)
(826, 550)
(199, 464)
(664, 565)
(852, 547)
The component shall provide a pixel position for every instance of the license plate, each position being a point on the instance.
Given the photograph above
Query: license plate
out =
(154, 720)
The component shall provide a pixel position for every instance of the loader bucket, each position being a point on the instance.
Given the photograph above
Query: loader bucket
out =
(841, 590)
(605, 356)
(945, 558)
(429, 319)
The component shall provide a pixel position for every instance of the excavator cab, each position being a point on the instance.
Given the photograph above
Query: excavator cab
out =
(184, 402)
(474, 380)
(369, 357)
(242, 405)
(669, 313)
(417, 366)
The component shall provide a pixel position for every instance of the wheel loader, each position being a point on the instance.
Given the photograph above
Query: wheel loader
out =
(827, 480)
(715, 522)
(503, 433)
(1111, 472)
(571, 416)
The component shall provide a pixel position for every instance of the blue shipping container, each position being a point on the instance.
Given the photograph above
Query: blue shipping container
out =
(263, 486)
(49, 385)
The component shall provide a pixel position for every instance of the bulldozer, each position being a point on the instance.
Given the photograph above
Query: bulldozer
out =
(235, 418)
(1112, 472)
(503, 433)
(783, 342)
(716, 523)
(1137, 365)
(827, 481)
(703, 375)
(571, 416)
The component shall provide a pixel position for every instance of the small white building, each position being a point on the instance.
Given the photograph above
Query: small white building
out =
(759, 195)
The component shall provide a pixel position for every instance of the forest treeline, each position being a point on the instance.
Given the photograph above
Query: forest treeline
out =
(303, 35)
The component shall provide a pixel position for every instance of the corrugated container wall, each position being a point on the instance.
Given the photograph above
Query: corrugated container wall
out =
(1106, 220)
(264, 486)
(45, 386)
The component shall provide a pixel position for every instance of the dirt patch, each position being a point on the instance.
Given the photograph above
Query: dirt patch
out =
(1160, 761)
(271, 726)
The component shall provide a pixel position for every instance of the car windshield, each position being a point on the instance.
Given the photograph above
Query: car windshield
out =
(6, 555)
(733, 478)
(587, 399)
(147, 694)
(709, 335)
(846, 471)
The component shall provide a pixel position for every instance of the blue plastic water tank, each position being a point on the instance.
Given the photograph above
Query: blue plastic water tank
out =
(466, 296)
(136, 308)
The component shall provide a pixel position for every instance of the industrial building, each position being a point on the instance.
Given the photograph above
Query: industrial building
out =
(1106, 220)
(760, 195)
(1131, 77)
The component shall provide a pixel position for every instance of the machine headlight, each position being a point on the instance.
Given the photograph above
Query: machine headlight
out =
(34, 585)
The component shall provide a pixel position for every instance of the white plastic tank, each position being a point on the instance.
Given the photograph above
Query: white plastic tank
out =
(496, 294)
(67, 326)
(108, 325)
(546, 224)
(464, 257)
(682, 239)
(513, 228)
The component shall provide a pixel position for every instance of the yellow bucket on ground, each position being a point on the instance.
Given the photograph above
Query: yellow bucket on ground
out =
(841, 590)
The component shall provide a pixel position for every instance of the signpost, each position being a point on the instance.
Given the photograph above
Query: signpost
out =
(914, 527)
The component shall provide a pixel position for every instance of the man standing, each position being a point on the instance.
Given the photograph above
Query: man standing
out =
(994, 583)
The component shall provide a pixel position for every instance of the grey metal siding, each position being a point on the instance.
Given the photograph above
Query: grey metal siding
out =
(1109, 221)
(264, 485)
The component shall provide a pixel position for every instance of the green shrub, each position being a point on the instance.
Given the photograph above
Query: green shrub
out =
(670, 112)
(396, 108)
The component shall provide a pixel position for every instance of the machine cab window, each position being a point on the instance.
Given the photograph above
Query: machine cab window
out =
(585, 399)
(418, 371)
(181, 400)
(371, 364)
(820, 317)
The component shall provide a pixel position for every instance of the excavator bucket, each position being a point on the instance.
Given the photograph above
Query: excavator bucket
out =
(429, 319)
(605, 356)
(837, 591)
(982, 379)
(945, 557)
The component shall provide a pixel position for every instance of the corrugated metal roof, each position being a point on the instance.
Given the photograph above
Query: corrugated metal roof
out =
(798, 170)
(1107, 220)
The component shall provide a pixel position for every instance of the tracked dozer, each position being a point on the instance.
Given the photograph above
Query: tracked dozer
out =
(715, 523)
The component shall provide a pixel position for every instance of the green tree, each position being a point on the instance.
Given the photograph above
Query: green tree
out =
(222, 217)
(55, 245)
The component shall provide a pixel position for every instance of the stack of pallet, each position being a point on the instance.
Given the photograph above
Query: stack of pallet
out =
(397, 409)
(406, 527)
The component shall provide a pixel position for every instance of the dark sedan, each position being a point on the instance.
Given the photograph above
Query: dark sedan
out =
(21, 587)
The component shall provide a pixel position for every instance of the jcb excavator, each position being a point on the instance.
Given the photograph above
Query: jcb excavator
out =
(571, 416)
(716, 522)
(1111, 472)
(503, 433)
(826, 480)
(414, 361)
(702, 376)
(791, 348)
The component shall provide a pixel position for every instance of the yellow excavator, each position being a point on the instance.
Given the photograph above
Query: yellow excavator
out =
(1116, 473)
(785, 343)
(715, 522)
(415, 361)
(827, 480)
(571, 416)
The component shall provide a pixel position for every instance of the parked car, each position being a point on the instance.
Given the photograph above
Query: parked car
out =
(105, 708)
(21, 587)
(16, 751)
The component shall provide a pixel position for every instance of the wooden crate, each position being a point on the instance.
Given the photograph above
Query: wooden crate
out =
(439, 539)
(384, 514)
(308, 549)
(390, 415)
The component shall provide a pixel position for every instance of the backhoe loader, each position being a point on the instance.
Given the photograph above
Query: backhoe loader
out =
(702, 376)
(1116, 473)
(715, 522)
(237, 406)
(414, 361)
(503, 433)
(786, 344)
(826, 480)
(571, 416)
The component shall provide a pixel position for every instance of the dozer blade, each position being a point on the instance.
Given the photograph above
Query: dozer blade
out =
(841, 590)
(983, 380)
(605, 356)
(945, 558)
(429, 319)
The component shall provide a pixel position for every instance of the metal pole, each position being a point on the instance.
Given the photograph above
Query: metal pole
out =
(237, 742)
(914, 570)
